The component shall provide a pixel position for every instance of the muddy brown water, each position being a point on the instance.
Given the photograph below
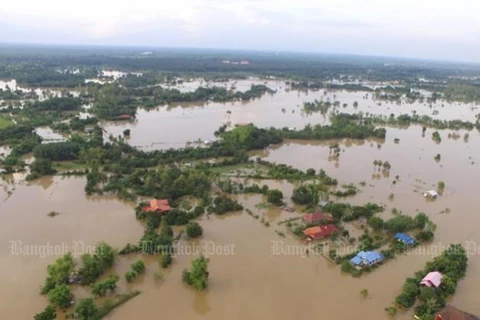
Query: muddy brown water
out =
(249, 282)
(175, 125)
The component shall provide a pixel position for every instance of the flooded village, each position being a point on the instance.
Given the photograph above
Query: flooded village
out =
(308, 199)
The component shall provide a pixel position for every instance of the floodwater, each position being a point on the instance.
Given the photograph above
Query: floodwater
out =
(42, 93)
(176, 125)
(250, 276)
(82, 222)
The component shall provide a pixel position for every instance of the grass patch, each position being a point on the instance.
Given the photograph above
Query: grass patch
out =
(225, 169)
(68, 165)
(5, 123)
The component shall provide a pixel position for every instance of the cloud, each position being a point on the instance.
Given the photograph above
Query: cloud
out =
(385, 27)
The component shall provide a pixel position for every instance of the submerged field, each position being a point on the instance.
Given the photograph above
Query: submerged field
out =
(254, 280)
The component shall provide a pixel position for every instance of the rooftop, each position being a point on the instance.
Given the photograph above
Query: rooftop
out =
(432, 279)
(405, 238)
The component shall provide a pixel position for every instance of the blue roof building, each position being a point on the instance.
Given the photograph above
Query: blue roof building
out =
(405, 238)
(367, 258)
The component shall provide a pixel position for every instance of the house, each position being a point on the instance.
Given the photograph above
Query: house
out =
(402, 237)
(452, 313)
(367, 258)
(160, 206)
(244, 62)
(319, 232)
(432, 194)
(317, 217)
(432, 279)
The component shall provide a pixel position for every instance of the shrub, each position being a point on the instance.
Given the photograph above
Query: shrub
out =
(130, 276)
(193, 230)
(60, 296)
(138, 267)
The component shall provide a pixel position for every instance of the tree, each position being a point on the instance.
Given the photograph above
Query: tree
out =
(60, 296)
(302, 195)
(387, 166)
(197, 277)
(425, 235)
(86, 309)
(165, 260)
(441, 186)
(193, 230)
(165, 229)
(376, 223)
(138, 267)
(59, 272)
(275, 197)
(427, 293)
(126, 132)
(130, 276)
(42, 167)
(47, 314)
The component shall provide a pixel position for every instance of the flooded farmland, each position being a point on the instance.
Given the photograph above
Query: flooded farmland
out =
(253, 281)
(166, 126)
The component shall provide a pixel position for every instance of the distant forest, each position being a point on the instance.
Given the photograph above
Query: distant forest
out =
(41, 65)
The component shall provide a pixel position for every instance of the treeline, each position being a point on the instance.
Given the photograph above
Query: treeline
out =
(58, 151)
(113, 100)
(407, 120)
(67, 103)
(165, 183)
(13, 134)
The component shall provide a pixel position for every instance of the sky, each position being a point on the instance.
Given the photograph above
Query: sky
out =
(427, 29)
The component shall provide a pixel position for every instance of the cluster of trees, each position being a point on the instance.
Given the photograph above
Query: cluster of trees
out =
(93, 266)
(317, 106)
(218, 94)
(168, 182)
(112, 101)
(67, 103)
(100, 288)
(402, 223)
(40, 167)
(58, 151)
(407, 120)
(436, 137)
(15, 134)
(61, 273)
(137, 268)
(347, 212)
(348, 190)
(75, 124)
(274, 196)
(452, 263)
(342, 126)
(223, 204)
(382, 164)
(197, 276)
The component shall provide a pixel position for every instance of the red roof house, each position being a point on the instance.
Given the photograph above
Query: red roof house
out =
(452, 313)
(156, 205)
(317, 217)
(320, 232)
